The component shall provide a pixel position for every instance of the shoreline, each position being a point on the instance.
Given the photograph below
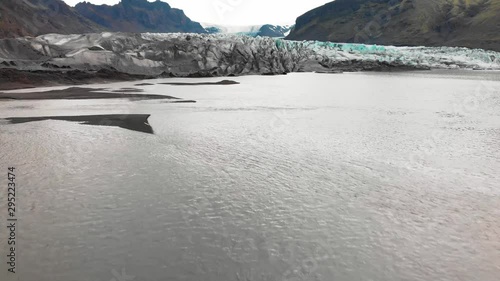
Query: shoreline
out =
(16, 79)
(82, 93)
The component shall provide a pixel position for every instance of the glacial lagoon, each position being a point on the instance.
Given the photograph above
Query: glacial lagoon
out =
(355, 176)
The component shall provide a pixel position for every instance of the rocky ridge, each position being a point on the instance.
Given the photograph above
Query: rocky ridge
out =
(139, 16)
(455, 23)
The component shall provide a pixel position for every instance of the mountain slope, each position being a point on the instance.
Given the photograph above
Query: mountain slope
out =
(36, 17)
(139, 16)
(466, 23)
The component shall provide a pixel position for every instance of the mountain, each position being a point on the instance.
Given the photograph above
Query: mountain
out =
(465, 23)
(274, 30)
(36, 17)
(267, 30)
(139, 16)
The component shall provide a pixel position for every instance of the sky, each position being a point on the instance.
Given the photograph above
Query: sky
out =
(236, 12)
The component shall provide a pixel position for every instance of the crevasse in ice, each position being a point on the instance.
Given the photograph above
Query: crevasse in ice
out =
(433, 57)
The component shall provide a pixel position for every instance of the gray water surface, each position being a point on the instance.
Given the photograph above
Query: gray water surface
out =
(363, 176)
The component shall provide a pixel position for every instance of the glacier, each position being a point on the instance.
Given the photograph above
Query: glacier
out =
(200, 55)
(269, 30)
(250, 30)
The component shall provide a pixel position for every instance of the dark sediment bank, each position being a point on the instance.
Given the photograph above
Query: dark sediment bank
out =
(134, 122)
(79, 93)
(375, 66)
(220, 83)
(183, 101)
(11, 79)
(128, 90)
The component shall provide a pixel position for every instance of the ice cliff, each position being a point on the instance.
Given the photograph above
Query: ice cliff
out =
(181, 54)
